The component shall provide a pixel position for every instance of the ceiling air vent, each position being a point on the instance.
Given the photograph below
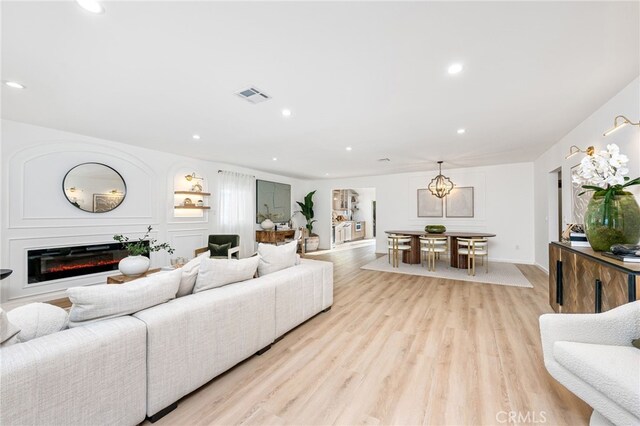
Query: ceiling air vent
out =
(253, 95)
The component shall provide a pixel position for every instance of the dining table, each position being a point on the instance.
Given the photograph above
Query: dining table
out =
(413, 256)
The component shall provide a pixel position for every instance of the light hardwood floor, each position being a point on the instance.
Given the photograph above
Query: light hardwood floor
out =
(397, 349)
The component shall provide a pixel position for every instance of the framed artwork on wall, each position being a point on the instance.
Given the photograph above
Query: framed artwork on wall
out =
(428, 204)
(578, 203)
(460, 202)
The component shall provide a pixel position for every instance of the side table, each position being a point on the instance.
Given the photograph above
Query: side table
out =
(121, 279)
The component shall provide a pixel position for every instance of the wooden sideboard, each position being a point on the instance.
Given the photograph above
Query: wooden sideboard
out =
(584, 281)
(274, 237)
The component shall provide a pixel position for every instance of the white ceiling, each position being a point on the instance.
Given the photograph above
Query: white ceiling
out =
(367, 75)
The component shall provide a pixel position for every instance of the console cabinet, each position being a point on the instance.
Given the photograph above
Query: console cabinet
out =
(584, 281)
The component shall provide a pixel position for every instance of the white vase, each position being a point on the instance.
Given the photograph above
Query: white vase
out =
(267, 224)
(132, 266)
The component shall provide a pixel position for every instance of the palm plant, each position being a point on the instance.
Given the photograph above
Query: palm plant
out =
(306, 209)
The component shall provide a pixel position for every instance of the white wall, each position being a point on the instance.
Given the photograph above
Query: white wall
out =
(503, 205)
(589, 132)
(35, 213)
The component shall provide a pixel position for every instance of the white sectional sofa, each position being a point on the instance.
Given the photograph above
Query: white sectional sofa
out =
(90, 375)
(116, 371)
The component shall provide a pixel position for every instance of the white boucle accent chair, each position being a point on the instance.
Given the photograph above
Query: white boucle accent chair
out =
(592, 356)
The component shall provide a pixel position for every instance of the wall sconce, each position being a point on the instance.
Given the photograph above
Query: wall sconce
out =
(618, 123)
(573, 150)
(192, 176)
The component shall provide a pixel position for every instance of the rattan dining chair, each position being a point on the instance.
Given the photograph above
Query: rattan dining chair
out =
(474, 248)
(430, 250)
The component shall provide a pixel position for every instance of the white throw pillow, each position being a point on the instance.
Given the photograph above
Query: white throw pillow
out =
(218, 272)
(104, 301)
(189, 274)
(8, 331)
(38, 319)
(275, 258)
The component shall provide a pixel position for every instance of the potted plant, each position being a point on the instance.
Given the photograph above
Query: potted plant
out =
(137, 263)
(306, 209)
(612, 215)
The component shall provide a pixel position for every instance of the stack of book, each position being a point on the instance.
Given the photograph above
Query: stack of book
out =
(578, 239)
(633, 258)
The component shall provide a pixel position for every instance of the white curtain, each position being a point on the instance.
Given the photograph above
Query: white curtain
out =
(237, 208)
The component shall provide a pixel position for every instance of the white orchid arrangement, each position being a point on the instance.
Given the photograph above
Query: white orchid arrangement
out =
(604, 172)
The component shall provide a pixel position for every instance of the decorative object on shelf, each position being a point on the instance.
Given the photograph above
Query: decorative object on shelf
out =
(617, 126)
(137, 263)
(573, 150)
(612, 215)
(440, 186)
(196, 187)
(199, 203)
(460, 202)
(188, 202)
(435, 229)
(104, 186)
(429, 205)
(306, 209)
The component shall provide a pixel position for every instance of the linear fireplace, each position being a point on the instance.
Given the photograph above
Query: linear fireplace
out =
(64, 262)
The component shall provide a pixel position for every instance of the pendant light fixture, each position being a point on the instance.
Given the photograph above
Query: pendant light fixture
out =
(440, 186)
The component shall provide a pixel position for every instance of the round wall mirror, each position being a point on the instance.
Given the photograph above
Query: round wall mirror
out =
(94, 187)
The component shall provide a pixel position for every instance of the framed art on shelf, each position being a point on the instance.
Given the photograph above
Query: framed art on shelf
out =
(428, 204)
(460, 202)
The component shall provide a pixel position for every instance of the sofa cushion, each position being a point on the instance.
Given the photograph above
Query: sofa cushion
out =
(612, 370)
(8, 330)
(218, 272)
(104, 301)
(38, 319)
(190, 274)
(275, 258)
(219, 250)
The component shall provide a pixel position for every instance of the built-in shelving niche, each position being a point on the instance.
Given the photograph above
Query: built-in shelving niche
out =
(190, 196)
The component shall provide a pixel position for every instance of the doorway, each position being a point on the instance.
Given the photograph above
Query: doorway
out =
(352, 215)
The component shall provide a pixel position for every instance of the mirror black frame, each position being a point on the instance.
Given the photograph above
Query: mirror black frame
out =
(124, 195)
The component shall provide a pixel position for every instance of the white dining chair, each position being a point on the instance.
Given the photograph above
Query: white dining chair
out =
(397, 244)
(430, 250)
(474, 248)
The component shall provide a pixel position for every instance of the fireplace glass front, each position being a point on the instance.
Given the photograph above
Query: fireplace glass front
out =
(64, 262)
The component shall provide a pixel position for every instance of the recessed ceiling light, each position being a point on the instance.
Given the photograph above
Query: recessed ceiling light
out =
(349, 148)
(275, 158)
(286, 112)
(196, 137)
(14, 84)
(326, 174)
(461, 131)
(91, 6)
(455, 68)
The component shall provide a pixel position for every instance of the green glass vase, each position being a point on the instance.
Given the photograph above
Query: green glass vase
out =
(616, 221)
